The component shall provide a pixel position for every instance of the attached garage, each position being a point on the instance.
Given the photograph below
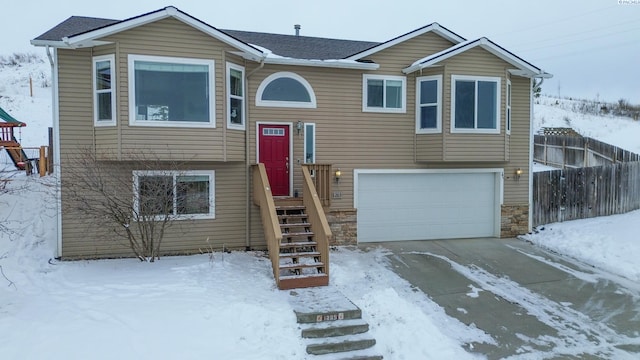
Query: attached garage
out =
(396, 205)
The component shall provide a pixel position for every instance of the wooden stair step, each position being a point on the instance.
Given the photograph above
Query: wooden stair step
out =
(299, 254)
(301, 266)
(298, 244)
(302, 281)
(292, 234)
(286, 225)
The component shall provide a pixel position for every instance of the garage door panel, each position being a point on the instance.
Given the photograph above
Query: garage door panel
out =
(416, 206)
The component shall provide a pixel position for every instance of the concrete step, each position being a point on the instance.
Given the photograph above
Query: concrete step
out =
(316, 317)
(341, 344)
(366, 354)
(334, 328)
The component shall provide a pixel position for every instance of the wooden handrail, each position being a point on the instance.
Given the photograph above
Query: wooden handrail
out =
(264, 199)
(317, 218)
(322, 179)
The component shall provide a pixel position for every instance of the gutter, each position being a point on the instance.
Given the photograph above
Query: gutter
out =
(56, 146)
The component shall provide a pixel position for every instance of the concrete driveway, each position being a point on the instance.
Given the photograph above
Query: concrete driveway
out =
(533, 303)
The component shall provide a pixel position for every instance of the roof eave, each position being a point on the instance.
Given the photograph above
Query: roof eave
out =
(167, 12)
(50, 43)
(339, 64)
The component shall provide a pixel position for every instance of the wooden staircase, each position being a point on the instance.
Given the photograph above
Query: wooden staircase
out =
(301, 264)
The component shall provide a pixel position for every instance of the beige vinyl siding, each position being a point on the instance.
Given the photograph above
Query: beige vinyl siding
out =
(474, 147)
(82, 239)
(519, 142)
(395, 58)
(172, 38)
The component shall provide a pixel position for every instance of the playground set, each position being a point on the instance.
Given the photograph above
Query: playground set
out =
(42, 164)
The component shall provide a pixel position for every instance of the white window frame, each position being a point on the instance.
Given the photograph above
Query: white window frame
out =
(384, 78)
(175, 216)
(176, 60)
(508, 114)
(96, 121)
(312, 104)
(242, 98)
(476, 79)
(437, 104)
(312, 139)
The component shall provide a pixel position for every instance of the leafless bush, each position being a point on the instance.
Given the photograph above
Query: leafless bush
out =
(103, 193)
(20, 58)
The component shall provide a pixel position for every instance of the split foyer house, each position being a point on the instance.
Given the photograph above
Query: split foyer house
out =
(424, 136)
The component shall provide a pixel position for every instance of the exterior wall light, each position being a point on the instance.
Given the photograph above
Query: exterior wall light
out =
(299, 126)
(338, 174)
(518, 173)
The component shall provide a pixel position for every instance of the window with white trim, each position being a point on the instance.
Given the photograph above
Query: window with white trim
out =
(429, 104)
(309, 143)
(235, 96)
(285, 89)
(104, 84)
(508, 111)
(169, 91)
(475, 104)
(383, 93)
(183, 195)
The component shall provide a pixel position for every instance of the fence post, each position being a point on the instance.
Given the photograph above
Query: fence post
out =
(42, 162)
(586, 152)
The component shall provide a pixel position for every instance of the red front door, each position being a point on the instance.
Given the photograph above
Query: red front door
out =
(273, 150)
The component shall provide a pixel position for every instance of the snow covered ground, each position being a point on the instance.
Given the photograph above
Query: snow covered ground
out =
(226, 306)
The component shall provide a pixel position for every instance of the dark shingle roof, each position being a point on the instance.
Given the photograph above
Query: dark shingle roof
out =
(74, 25)
(299, 47)
(302, 47)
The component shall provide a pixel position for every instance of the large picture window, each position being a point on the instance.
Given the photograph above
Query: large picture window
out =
(235, 96)
(429, 104)
(104, 104)
(383, 93)
(185, 195)
(475, 104)
(167, 91)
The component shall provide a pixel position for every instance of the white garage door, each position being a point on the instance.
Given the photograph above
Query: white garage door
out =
(422, 206)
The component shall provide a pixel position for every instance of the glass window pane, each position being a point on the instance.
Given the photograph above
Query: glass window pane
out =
(465, 104)
(429, 92)
(103, 75)
(487, 110)
(309, 146)
(235, 82)
(509, 94)
(286, 89)
(192, 194)
(429, 117)
(155, 195)
(394, 94)
(104, 106)
(374, 93)
(172, 92)
(236, 111)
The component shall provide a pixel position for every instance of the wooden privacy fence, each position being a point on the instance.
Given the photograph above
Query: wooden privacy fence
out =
(577, 192)
(577, 151)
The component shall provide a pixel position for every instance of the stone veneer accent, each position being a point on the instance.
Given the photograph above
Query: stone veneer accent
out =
(344, 226)
(514, 220)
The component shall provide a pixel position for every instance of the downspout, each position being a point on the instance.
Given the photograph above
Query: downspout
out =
(247, 157)
(56, 146)
(532, 82)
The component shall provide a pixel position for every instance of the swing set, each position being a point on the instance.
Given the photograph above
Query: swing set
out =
(11, 144)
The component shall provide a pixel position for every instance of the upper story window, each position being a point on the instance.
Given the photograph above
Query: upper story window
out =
(168, 91)
(475, 104)
(384, 93)
(183, 195)
(285, 89)
(508, 111)
(429, 104)
(104, 84)
(235, 97)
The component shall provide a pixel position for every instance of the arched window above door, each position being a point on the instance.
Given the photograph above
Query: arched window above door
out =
(285, 89)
